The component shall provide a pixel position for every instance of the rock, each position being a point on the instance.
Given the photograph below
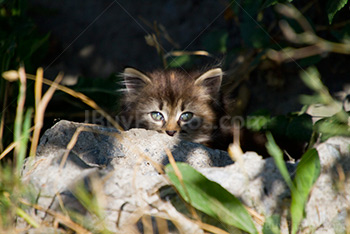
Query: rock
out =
(328, 207)
(124, 173)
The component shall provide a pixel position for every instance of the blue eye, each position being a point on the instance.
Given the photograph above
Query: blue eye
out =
(186, 116)
(157, 116)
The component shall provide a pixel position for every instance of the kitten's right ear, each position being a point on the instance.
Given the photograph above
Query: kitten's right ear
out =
(135, 79)
(211, 80)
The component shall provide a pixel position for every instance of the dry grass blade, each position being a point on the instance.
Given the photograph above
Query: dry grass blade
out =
(147, 224)
(179, 175)
(11, 147)
(162, 225)
(10, 75)
(40, 106)
(211, 228)
(8, 149)
(65, 220)
(38, 86)
(255, 215)
(71, 144)
(180, 53)
(83, 98)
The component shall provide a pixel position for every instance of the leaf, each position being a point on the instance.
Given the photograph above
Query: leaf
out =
(300, 128)
(216, 41)
(307, 172)
(254, 33)
(278, 125)
(252, 30)
(272, 225)
(311, 78)
(258, 120)
(277, 154)
(332, 126)
(179, 61)
(333, 6)
(210, 197)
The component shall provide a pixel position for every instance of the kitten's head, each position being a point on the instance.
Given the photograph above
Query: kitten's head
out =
(173, 102)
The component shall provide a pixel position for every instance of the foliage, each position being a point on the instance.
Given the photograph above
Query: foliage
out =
(272, 31)
(336, 125)
(210, 197)
(333, 6)
(293, 126)
(20, 43)
(306, 174)
(19, 39)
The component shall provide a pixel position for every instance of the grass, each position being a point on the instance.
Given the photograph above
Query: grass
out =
(14, 195)
(16, 198)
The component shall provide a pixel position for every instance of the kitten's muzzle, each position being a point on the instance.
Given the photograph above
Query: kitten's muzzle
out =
(171, 133)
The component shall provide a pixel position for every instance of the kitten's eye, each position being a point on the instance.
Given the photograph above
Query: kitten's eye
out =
(157, 116)
(186, 116)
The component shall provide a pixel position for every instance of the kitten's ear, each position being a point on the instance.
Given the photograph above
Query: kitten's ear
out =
(211, 80)
(135, 79)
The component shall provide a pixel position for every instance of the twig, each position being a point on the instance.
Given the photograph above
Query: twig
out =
(316, 44)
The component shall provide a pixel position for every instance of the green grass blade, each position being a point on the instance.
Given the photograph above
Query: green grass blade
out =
(27, 217)
(277, 154)
(272, 225)
(307, 173)
(210, 198)
(23, 141)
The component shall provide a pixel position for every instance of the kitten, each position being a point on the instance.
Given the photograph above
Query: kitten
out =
(180, 104)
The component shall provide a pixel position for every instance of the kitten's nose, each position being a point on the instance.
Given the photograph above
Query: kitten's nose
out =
(170, 133)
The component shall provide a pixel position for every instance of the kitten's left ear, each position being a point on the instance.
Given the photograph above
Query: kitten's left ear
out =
(135, 80)
(211, 80)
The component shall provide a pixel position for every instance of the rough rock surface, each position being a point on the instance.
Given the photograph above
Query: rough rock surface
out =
(120, 169)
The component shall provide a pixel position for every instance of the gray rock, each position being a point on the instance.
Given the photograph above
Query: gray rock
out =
(124, 172)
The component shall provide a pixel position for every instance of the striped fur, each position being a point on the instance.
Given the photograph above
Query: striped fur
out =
(184, 105)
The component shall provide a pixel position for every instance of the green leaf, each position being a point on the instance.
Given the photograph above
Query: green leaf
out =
(210, 197)
(258, 121)
(311, 77)
(179, 61)
(277, 154)
(252, 29)
(278, 125)
(216, 41)
(332, 126)
(333, 6)
(272, 225)
(300, 128)
(254, 33)
(307, 172)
